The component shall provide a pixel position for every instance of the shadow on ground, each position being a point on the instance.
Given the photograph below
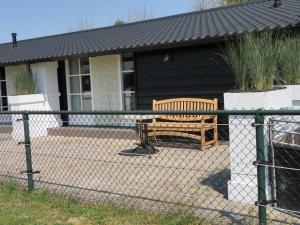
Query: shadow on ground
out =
(218, 182)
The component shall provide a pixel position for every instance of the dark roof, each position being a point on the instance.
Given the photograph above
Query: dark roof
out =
(179, 29)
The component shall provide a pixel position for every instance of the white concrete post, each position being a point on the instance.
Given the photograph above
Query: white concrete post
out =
(243, 184)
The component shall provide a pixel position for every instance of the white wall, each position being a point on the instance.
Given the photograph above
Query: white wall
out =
(38, 124)
(46, 99)
(295, 95)
(45, 75)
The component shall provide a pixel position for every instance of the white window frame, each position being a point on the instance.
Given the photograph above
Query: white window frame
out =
(81, 94)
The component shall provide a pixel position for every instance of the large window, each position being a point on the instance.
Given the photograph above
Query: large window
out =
(128, 75)
(79, 80)
(3, 91)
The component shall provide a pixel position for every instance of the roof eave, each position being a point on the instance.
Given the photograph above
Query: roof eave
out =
(202, 41)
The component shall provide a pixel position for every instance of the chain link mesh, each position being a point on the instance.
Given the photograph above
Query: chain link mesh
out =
(161, 162)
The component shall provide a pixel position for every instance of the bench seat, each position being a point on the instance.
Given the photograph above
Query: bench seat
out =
(179, 126)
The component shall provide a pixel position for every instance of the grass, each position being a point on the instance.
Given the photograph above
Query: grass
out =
(25, 84)
(260, 60)
(18, 206)
(236, 57)
(253, 61)
(289, 59)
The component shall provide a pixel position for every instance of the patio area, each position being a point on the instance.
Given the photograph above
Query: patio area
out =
(92, 169)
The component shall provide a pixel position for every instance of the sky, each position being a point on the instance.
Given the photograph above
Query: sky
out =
(35, 18)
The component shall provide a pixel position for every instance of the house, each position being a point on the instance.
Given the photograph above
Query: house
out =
(126, 67)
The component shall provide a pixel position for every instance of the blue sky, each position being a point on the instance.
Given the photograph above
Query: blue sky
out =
(34, 18)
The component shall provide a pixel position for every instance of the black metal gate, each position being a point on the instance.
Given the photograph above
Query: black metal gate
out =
(285, 171)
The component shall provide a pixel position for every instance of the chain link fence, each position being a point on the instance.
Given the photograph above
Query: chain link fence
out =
(241, 171)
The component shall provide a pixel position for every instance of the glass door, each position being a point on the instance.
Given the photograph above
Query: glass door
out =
(79, 80)
(3, 91)
(79, 90)
(4, 119)
(128, 74)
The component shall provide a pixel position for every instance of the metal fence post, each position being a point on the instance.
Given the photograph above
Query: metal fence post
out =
(27, 144)
(261, 172)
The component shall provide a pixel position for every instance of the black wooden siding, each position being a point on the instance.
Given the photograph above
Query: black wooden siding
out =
(192, 72)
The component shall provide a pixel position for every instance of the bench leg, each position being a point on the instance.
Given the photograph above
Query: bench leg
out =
(202, 141)
(141, 133)
(216, 136)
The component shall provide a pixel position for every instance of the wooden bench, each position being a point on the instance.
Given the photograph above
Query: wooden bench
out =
(185, 126)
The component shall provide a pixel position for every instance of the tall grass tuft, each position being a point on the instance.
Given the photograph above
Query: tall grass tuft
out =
(289, 59)
(262, 62)
(236, 57)
(25, 84)
(253, 61)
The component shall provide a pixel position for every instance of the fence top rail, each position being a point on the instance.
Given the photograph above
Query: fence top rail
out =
(150, 112)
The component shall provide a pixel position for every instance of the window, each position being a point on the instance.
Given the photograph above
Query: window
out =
(128, 75)
(3, 91)
(79, 80)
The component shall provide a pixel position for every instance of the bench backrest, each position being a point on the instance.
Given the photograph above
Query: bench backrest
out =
(184, 104)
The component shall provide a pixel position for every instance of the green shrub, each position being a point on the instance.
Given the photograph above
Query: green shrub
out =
(289, 59)
(253, 61)
(25, 84)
